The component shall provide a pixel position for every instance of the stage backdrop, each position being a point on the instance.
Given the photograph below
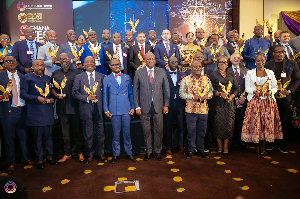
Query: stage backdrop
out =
(115, 14)
(183, 14)
(41, 15)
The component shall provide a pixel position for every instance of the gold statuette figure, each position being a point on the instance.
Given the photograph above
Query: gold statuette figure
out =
(5, 51)
(75, 54)
(166, 58)
(282, 88)
(262, 88)
(197, 27)
(44, 94)
(7, 90)
(61, 86)
(89, 92)
(142, 60)
(213, 52)
(133, 26)
(291, 57)
(53, 54)
(97, 49)
(114, 56)
(202, 92)
(226, 91)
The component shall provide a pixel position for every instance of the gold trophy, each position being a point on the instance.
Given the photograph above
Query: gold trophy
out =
(44, 94)
(219, 30)
(75, 54)
(89, 92)
(262, 88)
(53, 54)
(5, 51)
(291, 57)
(142, 60)
(282, 88)
(133, 26)
(213, 52)
(7, 90)
(202, 92)
(270, 26)
(166, 58)
(96, 53)
(114, 56)
(227, 91)
(61, 86)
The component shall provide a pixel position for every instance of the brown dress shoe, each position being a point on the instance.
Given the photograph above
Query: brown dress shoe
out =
(11, 169)
(64, 158)
(29, 162)
(181, 149)
(80, 157)
(168, 151)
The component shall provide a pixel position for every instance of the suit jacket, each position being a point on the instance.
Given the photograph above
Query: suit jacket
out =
(124, 54)
(251, 78)
(43, 54)
(174, 90)
(86, 52)
(6, 106)
(65, 48)
(134, 61)
(19, 52)
(85, 107)
(117, 99)
(144, 92)
(230, 48)
(160, 50)
(243, 72)
(292, 72)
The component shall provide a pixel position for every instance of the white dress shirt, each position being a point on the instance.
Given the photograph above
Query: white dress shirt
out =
(118, 78)
(238, 69)
(21, 102)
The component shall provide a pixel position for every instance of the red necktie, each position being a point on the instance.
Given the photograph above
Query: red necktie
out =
(237, 75)
(14, 90)
(118, 52)
(150, 76)
(116, 75)
(173, 73)
(143, 51)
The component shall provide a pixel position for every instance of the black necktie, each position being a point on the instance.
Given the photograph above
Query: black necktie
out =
(92, 81)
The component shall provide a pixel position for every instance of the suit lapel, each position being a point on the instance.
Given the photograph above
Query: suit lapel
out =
(86, 80)
(285, 65)
(114, 81)
(5, 78)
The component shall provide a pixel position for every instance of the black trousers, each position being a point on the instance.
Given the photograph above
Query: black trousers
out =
(283, 108)
(71, 128)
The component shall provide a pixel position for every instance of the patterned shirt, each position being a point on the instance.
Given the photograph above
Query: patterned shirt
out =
(188, 88)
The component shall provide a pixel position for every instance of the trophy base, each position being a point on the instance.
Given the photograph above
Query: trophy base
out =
(214, 59)
(282, 96)
(62, 95)
(94, 101)
(5, 100)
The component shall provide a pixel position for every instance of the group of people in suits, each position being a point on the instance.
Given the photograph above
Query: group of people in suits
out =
(117, 80)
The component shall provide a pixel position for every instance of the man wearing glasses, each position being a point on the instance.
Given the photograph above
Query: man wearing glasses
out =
(200, 33)
(284, 70)
(25, 52)
(67, 108)
(13, 113)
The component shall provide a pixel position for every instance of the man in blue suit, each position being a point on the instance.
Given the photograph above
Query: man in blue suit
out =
(118, 105)
(122, 54)
(177, 105)
(26, 51)
(90, 108)
(13, 113)
(94, 45)
(167, 48)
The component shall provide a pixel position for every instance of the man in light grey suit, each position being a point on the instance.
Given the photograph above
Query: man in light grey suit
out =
(66, 48)
(151, 97)
(44, 54)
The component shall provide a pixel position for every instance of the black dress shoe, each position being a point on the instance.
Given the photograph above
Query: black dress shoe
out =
(159, 157)
(189, 155)
(40, 165)
(114, 159)
(103, 158)
(203, 155)
(131, 157)
(147, 157)
(51, 161)
(225, 154)
(88, 160)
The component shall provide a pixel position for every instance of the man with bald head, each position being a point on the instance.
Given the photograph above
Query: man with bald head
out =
(106, 38)
(257, 42)
(43, 54)
(231, 45)
(26, 51)
(121, 54)
(90, 108)
(277, 37)
(66, 48)
(129, 39)
(151, 93)
(200, 33)
(67, 108)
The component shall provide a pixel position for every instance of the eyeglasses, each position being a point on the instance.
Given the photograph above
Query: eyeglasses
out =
(279, 52)
(64, 59)
(30, 32)
(5, 39)
(200, 32)
(222, 62)
(115, 65)
(10, 61)
(72, 34)
(173, 62)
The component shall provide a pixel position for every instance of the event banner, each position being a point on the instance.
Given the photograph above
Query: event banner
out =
(208, 13)
(41, 15)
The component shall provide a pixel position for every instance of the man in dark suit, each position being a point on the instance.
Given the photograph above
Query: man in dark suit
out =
(122, 53)
(40, 117)
(240, 99)
(276, 37)
(165, 48)
(118, 105)
(177, 105)
(26, 51)
(152, 38)
(134, 50)
(200, 33)
(151, 98)
(90, 107)
(231, 44)
(284, 38)
(67, 108)
(284, 70)
(94, 46)
(66, 48)
(13, 113)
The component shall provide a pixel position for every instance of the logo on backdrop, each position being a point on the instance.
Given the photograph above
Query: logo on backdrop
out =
(21, 6)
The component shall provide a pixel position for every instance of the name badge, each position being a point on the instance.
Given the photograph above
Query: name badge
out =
(29, 52)
(97, 62)
(9, 51)
(283, 74)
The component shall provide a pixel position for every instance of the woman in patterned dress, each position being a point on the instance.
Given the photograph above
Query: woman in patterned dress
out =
(224, 107)
(262, 121)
